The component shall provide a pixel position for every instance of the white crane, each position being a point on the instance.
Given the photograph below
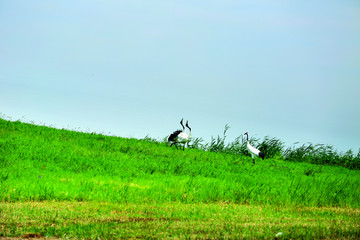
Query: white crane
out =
(253, 151)
(180, 137)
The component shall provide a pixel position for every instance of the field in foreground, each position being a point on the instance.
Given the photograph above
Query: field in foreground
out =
(66, 184)
(94, 220)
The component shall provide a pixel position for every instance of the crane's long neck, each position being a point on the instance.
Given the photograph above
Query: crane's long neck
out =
(182, 126)
(247, 137)
(187, 125)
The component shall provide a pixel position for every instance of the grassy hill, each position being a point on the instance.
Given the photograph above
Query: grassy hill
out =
(68, 184)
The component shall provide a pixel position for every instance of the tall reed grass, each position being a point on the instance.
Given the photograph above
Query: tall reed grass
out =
(275, 148)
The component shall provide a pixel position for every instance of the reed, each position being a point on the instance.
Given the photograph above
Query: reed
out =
(274, 148)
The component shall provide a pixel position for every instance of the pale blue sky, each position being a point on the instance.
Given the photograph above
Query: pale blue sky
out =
(287, 69)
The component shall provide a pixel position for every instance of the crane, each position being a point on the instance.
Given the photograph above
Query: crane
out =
(253, 151)
(180, 137)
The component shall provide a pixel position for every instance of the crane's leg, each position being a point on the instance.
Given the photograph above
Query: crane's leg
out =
(253, 161)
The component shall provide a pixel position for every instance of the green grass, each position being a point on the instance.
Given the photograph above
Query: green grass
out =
(63, 183)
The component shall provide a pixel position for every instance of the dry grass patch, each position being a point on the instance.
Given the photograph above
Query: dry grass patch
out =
(175, 220)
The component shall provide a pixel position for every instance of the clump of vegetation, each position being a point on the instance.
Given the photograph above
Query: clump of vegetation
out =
(275, 148)
(322, 154)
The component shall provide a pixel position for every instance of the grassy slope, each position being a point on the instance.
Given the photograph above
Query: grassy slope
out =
(45, 164)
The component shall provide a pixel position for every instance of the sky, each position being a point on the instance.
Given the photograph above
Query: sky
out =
(135, 68)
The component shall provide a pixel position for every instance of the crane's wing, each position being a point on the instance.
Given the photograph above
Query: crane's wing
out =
(252, 149)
